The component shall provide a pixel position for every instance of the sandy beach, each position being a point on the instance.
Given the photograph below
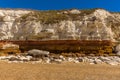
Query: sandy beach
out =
(64, 71)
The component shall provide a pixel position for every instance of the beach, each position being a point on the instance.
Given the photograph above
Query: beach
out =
(63, 71)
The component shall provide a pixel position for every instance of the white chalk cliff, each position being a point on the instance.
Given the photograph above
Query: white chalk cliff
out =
(64, 24)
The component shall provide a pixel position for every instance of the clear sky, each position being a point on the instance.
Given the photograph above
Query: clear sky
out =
(111, 5)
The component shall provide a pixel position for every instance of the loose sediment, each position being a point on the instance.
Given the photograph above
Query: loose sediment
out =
(111, 60)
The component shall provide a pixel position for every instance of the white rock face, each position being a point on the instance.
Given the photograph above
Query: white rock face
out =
(102, 14)
(93, 26)
(8, 18)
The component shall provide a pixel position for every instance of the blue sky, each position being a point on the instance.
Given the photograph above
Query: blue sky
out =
(111, 5)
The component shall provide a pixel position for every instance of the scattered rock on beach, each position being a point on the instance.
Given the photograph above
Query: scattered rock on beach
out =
(37, 53)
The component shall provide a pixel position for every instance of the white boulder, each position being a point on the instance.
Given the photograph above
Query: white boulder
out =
(112, 62)
(37, 53)
(74, 11)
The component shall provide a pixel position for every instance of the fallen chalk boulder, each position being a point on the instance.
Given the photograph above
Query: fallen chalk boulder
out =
(37, 53)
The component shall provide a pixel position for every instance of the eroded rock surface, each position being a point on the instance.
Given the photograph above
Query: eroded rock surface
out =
(65, 24)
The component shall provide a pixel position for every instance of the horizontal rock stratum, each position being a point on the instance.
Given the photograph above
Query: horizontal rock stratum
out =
(58, 25)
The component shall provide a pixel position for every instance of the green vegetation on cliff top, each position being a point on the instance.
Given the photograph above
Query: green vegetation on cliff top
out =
(54, 16)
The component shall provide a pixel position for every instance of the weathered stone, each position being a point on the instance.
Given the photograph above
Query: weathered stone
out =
(80, 59)
(76, 61)
(70, 59)
(74, 11)
(47, 60)
(25, 58)
(62, 58)
(14, 59)
(104, 58)
(112, 62)
(34, 59)
(98, 61)
(37, 53)
(57, 60)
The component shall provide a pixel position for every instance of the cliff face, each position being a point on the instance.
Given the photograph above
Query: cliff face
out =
(65, 24)
(7, 19)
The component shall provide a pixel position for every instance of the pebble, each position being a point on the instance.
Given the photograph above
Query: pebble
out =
(112, 63)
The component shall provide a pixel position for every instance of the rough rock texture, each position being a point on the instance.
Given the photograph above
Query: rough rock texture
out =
(63, 24)
(37, 53)
(7, 20)
(111, 60)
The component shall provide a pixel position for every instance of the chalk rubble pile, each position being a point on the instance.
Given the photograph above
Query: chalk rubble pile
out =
(40, 56)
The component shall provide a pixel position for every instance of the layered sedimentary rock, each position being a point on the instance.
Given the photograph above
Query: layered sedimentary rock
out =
(94, 24)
